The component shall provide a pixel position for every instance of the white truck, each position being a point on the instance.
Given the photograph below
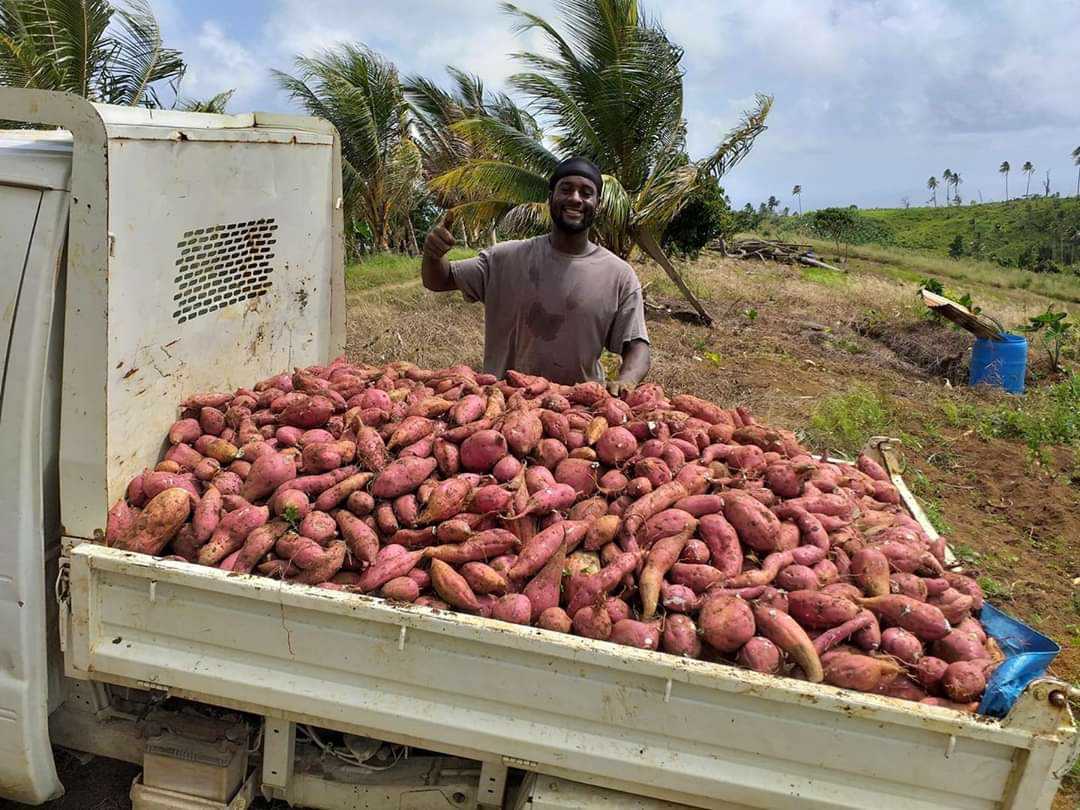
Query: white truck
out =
(147, 254)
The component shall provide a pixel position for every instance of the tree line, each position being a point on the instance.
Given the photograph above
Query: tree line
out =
(610, 89)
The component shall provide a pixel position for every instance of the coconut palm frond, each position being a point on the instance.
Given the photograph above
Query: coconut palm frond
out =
(141, 58)
(498, 138)
(739, 141)
(493, 179)
(215, 104)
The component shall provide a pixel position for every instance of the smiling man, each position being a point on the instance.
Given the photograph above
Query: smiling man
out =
(552, 303)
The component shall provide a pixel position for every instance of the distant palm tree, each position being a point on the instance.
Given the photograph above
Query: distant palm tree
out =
(1004, 169)
(796, 191)
(932, 185)
(956, 181)
(358, 91)
(105, 52)
(1029, 169)
(1076, 160)
(214, 104)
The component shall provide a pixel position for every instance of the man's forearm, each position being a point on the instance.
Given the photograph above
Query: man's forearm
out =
(636, 360)
(435, 274)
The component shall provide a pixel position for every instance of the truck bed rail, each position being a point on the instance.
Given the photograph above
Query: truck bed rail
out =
(682, 730)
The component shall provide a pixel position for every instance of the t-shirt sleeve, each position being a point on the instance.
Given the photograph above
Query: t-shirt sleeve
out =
(629, 323)
(471, 275)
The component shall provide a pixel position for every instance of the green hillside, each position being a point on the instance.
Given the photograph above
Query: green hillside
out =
(1018, 233)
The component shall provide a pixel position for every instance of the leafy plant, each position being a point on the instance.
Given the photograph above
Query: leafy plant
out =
(105, 52)
(1053, 328)
(705, 216)
(956, 247)
(291, 515)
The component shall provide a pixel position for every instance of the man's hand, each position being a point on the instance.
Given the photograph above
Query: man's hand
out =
(617, 387)
(439, 239)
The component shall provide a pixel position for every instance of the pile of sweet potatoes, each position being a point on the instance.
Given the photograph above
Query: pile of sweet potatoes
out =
(660, 522)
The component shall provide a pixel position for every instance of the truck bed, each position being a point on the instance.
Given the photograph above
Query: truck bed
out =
(643, 722)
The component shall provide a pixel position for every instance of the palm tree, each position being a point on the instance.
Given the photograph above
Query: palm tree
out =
(932, 185)
(1029, 169)
(1004, 169)
(797, 192)
(214, 104)
(1076, 160)
(610, 90)
(101, 51)
(358, 91)
(956, 180)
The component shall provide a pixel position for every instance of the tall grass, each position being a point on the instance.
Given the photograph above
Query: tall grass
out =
(381, 269)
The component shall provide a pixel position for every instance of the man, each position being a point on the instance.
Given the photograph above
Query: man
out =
(552, 303)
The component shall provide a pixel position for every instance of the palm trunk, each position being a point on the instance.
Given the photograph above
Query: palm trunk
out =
(1006, 186)
(414, 248)
(1027, 191)
(1078, 182)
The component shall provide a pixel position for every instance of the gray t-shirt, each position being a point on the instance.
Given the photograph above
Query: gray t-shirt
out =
(552, 313)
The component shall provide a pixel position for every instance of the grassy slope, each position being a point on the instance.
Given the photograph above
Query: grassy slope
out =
(381, 269)
(1004, 230)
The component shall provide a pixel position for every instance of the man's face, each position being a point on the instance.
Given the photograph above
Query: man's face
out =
(573, 204)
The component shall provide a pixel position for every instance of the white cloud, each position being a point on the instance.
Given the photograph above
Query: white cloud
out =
(871, 97)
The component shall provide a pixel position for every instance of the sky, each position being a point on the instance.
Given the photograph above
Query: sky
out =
(872, 97)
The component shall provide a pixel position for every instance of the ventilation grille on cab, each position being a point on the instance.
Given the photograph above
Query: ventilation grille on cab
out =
(222, 265)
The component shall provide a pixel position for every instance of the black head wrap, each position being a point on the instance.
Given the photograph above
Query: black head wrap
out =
(577, 167)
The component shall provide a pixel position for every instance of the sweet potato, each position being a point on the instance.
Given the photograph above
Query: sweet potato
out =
(154, 483)
(959, 645)
(632, 633)
(452, 587)
(482, 450)
(371, 452)
(699, 578)
(480, 547)
(400, 589)
(615, 446)
(398, 478)
(870, 570)
(726, 622)
(506, 469)
(361, 542)
(760, 655)
(648, 505)
(797, 578)
(231, 533)
(954, 606)
(871, 468)
(680, 637)
(678, 598)
(662, 555)
(513, 607)
(964, 681)
(592, 621)
(925, 621)
(484, 579)
(385, 569)
(207, 515)
(756, 526)
(841, 632)
(588, 588)
(929, 671)
(695, 551)
(543, 590)
(121, 518)
(859, 672)
(319, 526)
(902, 645)
(323, 569)
(785, 633)
(770, 567)
(535, 553)
(257, 545)
(158, 522)
(555, 618)
(908, 585)
(968, 586)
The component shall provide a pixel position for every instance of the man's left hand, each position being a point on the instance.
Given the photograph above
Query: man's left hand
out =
(617, 387)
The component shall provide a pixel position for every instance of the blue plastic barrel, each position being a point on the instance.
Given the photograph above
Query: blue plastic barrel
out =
(1000, 362)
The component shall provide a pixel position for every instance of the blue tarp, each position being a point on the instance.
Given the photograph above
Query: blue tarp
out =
(1027, 655)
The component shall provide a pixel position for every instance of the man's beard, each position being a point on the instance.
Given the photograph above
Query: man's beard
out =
(582, 225)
